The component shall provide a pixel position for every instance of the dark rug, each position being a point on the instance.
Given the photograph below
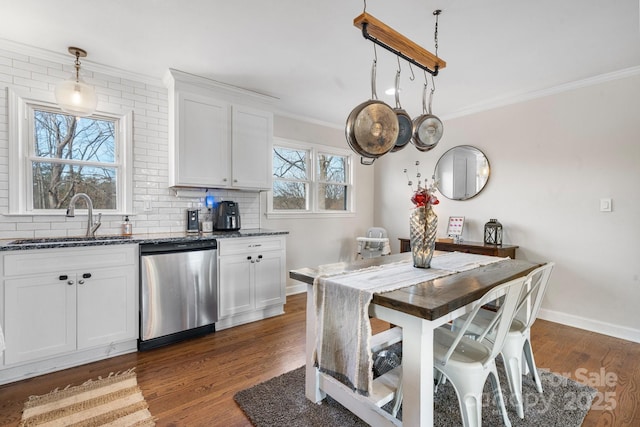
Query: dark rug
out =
(281, 401)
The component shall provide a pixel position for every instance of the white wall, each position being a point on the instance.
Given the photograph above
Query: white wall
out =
(552, 159)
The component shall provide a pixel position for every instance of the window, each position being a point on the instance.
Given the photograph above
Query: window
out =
(57, 155)
(72, 155)
(310, 179)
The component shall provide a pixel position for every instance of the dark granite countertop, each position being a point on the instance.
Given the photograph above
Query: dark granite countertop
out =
(69, 242)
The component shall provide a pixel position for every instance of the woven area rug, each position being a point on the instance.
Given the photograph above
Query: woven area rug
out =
(114, 401)
(281, 401)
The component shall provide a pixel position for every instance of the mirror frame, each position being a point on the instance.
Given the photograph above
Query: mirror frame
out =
(447, 156)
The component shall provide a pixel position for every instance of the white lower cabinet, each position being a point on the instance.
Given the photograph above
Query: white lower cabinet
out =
(67, 306)
(252, 279)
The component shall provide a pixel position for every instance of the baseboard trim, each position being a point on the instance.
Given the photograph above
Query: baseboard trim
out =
(597, 326)
(296, 289)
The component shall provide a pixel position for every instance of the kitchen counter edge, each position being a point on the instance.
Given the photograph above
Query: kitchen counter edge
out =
(6, 244)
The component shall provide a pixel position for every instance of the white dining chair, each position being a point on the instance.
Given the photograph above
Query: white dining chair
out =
(467, 363)
(518, 340)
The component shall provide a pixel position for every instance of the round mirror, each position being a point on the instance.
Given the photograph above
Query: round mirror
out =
(462, 172)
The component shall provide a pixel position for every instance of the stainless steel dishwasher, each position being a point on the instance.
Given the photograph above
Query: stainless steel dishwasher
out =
(178, 291)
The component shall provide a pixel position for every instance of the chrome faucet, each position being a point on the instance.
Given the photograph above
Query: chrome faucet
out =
(71, 212)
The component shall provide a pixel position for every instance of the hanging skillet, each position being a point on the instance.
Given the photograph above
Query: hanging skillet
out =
(428, 128)
(405, 124)
(372, 127)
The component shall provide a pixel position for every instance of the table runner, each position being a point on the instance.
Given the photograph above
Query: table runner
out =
(343, 330)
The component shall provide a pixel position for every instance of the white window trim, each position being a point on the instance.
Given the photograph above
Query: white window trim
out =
(313, 211)
(19, 103)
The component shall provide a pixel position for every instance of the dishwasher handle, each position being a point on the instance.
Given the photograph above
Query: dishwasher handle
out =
(179, 246)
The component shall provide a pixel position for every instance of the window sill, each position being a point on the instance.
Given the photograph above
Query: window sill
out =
(309, 215)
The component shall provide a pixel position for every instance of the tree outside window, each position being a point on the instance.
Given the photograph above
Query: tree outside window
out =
(332, 188)
(73, 155)
(305, 186)
(290, 179)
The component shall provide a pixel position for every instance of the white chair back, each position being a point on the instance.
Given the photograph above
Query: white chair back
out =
(537, 284)
(502, 322)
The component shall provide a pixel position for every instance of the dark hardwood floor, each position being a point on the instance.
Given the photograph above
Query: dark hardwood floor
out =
(193, 383)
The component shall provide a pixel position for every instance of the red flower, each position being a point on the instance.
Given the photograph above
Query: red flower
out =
(423, 197)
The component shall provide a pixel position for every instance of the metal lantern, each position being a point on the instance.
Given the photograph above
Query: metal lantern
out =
(493, 232)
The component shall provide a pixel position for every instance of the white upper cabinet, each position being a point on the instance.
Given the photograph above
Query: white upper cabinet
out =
(220, 136)
(201, 152)
(250, 151)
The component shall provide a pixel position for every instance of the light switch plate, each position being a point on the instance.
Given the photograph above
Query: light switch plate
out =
(605, 205)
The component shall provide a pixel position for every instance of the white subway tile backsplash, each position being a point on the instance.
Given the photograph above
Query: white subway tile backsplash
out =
(150, 154)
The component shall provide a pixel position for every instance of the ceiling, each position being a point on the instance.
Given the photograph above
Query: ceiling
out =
(311, 57)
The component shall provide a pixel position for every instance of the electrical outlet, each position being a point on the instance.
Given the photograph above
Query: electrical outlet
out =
(605, 205)
(147, 206)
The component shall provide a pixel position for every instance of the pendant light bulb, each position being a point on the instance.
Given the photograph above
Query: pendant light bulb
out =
(74, 96)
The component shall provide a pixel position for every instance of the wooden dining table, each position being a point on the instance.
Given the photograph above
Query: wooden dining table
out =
(418, 309)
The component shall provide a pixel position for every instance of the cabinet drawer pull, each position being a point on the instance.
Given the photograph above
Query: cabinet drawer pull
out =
(249, 257)
(63, 277)
(86, 275)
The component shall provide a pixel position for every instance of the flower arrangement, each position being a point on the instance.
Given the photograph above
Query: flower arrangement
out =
(423, 196)
(423, 221)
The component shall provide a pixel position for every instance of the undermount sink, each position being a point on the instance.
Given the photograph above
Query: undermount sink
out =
(54, 240)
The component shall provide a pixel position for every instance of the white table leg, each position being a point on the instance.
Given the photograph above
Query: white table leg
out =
(417, 365)
(417, 374)
(312, 378)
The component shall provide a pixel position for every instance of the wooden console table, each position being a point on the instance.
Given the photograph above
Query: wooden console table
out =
(468, 247)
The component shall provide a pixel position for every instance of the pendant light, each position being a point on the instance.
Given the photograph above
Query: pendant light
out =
(74, 96)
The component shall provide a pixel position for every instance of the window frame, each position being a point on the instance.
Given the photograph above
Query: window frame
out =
(22, 153)
(313, 211)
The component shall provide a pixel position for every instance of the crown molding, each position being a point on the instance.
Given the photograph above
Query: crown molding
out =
(63, 58)
(528, 96)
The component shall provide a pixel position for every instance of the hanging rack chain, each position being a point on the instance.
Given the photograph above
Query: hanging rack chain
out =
(437, 13)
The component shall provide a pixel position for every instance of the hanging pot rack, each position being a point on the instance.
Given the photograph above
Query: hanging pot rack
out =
(391, 40)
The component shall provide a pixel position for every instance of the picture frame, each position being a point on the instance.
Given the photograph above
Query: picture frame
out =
(455, 227)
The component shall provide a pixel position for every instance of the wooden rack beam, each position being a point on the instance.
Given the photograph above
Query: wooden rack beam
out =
(385, 36)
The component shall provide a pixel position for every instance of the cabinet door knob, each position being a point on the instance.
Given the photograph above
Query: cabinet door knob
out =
(224, 179)
(235, 180)
(81, 281)
(70, 282)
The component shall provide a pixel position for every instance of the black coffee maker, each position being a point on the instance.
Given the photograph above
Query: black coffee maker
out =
(227, 216)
